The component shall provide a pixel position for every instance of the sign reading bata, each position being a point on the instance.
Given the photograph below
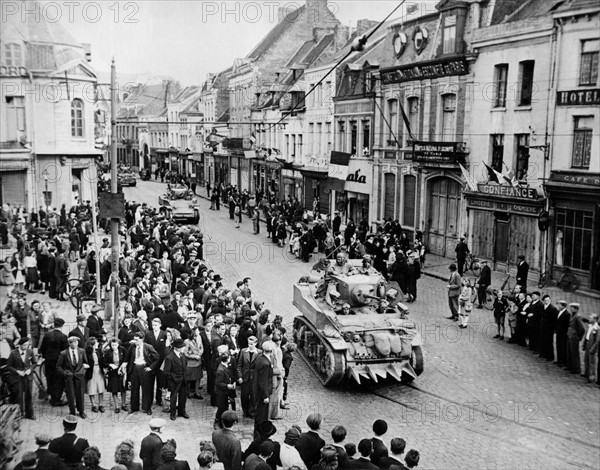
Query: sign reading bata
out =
(507, 191)
(429, 69)
(578, 97)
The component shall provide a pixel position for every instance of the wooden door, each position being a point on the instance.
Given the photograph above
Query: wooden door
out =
(443, 216)
(501, 240)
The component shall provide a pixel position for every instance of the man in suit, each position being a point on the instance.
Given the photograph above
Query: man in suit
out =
(365, 448)
(94, 322)
(157, 338)
(547, 326)
(454, 284)
(380, 451)
(69, 447)
(483, 282)
(462, 249)
(263, 383)
(522, 272)
(224, 386)
(534, 321)
(140, 360)
(152, 445)
(81, 330)
(246, 369)
(217, 338)
(61, 272)
(561, 328)
(174, 374)
(591, 342)
(265, 453)
(309, 443)
(52, 288)
(575, 334)
(47, 460)
(21, 364)
(228, 446)
(141, 322)
(182, 285)
(72, 364)
(53, 343)
(395, 461)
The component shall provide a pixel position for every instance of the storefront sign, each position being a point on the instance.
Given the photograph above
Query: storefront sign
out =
(507, 191)
(434, 152)
(12, 71)
(359, 178)
(504, 207)
(425, 70)
(578, 97)
(591, 180)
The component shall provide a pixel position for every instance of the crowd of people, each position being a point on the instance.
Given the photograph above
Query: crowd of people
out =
(299, 450)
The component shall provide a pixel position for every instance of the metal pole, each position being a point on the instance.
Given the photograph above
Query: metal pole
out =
(96, 248)
(114, 223)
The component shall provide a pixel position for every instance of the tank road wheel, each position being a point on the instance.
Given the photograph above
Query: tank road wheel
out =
(332, 368)
(417, 363)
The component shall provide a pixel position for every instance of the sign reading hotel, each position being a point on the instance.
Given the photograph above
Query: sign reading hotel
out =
(507, 191)
(424, 70)
(578, 97)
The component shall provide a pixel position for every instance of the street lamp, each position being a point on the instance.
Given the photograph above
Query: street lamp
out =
(47, 194)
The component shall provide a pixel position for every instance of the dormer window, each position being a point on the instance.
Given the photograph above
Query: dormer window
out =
(12, 55)
(449, 44)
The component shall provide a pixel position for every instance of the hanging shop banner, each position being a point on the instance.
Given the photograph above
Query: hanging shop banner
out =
(338, 165)
(429, 69)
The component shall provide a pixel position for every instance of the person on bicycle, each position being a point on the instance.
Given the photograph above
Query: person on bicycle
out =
(483, 282)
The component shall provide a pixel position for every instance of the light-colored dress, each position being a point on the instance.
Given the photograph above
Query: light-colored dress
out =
(96, 384)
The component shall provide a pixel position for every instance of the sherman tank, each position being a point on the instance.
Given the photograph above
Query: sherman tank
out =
(373, 340)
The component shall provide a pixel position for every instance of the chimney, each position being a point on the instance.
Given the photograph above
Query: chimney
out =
(476, 14)
(362, 26)
(320, 32)
(87, 49)
(342, 33)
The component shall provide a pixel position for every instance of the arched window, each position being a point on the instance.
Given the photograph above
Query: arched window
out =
(77, 118)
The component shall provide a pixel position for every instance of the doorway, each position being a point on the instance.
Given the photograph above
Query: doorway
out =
(443, 216)
(502, 234)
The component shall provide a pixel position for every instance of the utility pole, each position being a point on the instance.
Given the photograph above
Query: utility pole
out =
(114, 222)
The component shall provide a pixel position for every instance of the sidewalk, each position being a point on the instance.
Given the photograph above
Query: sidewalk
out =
(437, 267)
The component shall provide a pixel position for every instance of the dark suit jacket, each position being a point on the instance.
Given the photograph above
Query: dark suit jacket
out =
(158, 343)
(522, 273)
(576, 327)
(229, 448)
(65, 366)
(245, 366)
(252, 462)
(151, 357)
(454, 281)
(361, 463)
(309, 447)
(263, 378)
(380, 451)
(150, 451)
(15, 363)
(393, 464)
(562, 323)
(83, 337)
(94, 324)
(174, 369)
(52, 344)
(67, 449)
(48, 460)
(485, 278)
(175, 465)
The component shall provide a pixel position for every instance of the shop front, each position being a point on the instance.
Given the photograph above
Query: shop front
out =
(314, 187)
(504, 224)
(575, 225)
(358, 187)
(221, 168)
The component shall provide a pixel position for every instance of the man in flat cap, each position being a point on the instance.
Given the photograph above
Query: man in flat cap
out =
(561, 328)
(69, 446)
(81, 330)
(53, 343)
(575, 334)
(21, 363)
(94, 322)
(46, 459)
(152, 445)
(591, 343)
(71, 365)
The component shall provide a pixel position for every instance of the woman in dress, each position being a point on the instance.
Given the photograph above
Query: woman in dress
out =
(31, 271)
(193, 372)
(113, 359)
(17, 271)
(464, 303)
(94, 375)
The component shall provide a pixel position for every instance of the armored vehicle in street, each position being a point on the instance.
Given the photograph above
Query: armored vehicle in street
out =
(354, 326)
(180, 210)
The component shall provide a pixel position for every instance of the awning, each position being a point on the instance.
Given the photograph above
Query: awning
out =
(316, 175)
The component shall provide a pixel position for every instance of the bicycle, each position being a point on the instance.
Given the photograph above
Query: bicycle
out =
(82, 291)
(488, 301)
(568, 281)
(472, 264)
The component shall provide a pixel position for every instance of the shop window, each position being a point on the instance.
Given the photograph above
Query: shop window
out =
(12, 55)
(413, 118)
(526, 82)
(500, 77)
(392, 121)
(497, 151)
(341, 145)
(448, 117)
(582, 141)
(389, 195)
(353, 137)
(14, 120)
(410, 197)
(318, 137)
(575, 228)
(449, 45)
(588, 71)
(366, 137)
(77, 118)
(522, 163)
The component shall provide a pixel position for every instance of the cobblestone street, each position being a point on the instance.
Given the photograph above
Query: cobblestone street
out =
(480, 403)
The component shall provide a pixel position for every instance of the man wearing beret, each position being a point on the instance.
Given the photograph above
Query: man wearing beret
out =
(53, 343)
(72, 363)
(174, 373)
(21, 363)
(69, 446)
(81, 330)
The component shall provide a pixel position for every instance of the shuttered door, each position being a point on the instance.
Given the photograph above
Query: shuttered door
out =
(483, 234)
(410, 196)
(309, 193)
(13, 188)
(389, 195)
(523, 239)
